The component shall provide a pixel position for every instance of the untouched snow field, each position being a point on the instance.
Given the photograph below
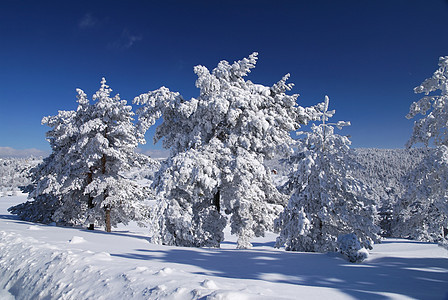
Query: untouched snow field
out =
(47, 262)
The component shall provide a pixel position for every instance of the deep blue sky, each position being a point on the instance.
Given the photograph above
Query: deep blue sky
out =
(366, 55)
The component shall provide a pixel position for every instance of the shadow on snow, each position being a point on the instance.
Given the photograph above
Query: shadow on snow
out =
(421, 278)
(122, 233)
(9, 217)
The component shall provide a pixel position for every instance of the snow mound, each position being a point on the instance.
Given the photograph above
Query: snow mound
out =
(102, 256)
(34, 227)
(77, 240)
(165, 272)
(209, 284)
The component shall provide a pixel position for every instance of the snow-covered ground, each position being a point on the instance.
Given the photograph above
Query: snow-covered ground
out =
(48, 262)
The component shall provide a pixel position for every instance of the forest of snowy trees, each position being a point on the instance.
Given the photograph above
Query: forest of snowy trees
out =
(14, 173)
(233, 162)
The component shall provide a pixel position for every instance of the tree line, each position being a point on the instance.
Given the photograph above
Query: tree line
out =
(216, 174)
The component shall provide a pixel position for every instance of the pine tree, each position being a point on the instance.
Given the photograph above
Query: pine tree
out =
(423, 210)
(326, 201)
(106, 145)
(224, 134)
(82, 180)
(433, 127)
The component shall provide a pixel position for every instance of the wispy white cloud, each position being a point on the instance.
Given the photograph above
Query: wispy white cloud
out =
(11, 152)
(87, 21)
(126, 40)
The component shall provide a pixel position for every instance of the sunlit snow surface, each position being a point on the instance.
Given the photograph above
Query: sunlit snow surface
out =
(48, 262)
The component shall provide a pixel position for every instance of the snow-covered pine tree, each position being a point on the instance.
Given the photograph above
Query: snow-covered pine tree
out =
(433, 127)
(423, 210)
(218, 143)
(106, 144)
(326, 200)
(82, 177)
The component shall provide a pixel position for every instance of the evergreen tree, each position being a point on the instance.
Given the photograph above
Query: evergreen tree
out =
(326, 200)
(82, 180)
(434, 106)
(107, 145)
(224, 134)
(424, 209)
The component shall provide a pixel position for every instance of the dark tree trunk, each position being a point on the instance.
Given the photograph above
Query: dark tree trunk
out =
(107, 212)
(216, 201)
(103, 164)
(90, 201)
(108, 226)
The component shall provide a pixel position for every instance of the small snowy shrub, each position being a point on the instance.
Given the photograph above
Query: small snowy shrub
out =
(350, 247)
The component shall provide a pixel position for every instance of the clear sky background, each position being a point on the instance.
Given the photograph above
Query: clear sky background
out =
(367, 56)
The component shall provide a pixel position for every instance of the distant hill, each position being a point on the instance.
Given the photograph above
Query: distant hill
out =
(386, 170)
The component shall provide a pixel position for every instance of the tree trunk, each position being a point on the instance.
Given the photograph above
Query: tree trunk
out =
(103, 164)
(90, 201)
(216, 200)
(103, 171)
(108, 227)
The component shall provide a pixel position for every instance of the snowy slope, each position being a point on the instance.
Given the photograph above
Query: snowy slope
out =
(48, 262)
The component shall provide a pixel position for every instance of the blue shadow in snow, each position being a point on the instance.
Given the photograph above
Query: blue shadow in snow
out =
(420, 278)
